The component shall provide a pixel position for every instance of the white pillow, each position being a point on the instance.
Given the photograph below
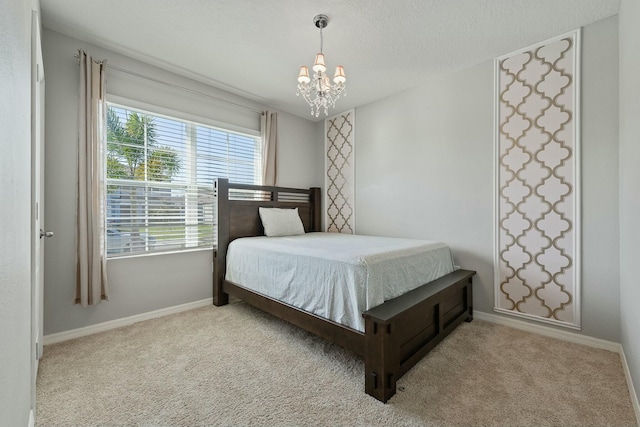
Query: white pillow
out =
(281, 222)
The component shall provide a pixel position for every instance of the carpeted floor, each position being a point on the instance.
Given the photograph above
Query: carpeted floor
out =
(236, 366)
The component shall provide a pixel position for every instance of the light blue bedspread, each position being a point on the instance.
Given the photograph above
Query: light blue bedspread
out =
(335, 276)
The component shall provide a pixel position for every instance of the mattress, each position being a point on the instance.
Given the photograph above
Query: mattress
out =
(335, 276)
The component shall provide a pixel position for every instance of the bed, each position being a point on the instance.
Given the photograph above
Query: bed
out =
(391, 334)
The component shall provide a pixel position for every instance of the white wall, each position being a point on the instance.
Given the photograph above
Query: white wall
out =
(300, 152)
(630, 183)
(600, 230)
(424, 169)
(141, 284)
(15, 212)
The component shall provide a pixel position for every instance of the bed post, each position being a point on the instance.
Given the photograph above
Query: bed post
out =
(315, 197)
(469, 301)
(221, 194)
(380, 364)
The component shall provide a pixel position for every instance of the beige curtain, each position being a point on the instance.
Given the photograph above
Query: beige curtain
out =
(91, 268)
(269, 133)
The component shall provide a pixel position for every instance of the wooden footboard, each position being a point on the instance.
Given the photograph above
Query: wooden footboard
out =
(403, 330)
(397, 333)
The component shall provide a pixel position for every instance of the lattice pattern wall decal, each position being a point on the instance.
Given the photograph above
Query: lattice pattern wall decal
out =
(537, 250)
(340, 173)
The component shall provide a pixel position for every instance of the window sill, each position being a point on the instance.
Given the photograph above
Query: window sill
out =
(154, 254)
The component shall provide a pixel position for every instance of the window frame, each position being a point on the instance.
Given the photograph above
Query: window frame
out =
(194, 122)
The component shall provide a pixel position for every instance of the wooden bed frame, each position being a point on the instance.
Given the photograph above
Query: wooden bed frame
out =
(397, 333)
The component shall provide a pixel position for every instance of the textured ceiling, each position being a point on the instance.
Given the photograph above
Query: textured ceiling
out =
(255, 47)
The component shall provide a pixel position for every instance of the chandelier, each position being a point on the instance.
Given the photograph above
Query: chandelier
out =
(319, 92)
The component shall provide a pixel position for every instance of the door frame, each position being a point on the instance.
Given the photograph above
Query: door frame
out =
(37, 198)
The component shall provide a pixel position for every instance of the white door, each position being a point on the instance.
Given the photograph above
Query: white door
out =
(37, 198)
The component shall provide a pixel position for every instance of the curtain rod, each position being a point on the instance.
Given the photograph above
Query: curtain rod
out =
(175, 86)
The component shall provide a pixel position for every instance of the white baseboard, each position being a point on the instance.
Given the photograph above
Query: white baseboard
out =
(548, 331)
(113, 324)
(632, 390)
(32, 421)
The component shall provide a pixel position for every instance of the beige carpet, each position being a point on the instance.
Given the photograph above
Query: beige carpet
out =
(237, 366)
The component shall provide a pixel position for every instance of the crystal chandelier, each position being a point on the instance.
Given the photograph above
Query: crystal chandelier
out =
(319, 92)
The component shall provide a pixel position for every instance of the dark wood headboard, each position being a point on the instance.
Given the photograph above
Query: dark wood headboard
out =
(237, 216)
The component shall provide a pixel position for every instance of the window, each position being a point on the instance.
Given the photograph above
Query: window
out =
(160, 174)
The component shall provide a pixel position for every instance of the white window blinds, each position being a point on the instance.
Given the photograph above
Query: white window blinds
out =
(160, 174)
